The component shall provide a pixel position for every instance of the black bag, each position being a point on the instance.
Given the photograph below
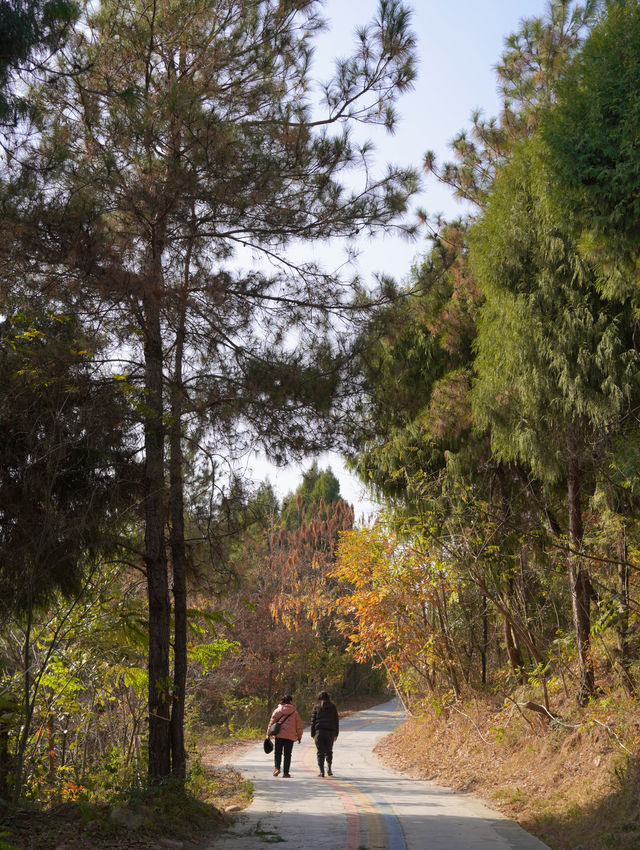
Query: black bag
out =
(275, 727)
(268, 745)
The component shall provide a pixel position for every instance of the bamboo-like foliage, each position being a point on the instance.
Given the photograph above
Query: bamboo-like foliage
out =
(557, 364)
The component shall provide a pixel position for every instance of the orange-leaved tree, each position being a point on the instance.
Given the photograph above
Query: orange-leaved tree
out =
(392, 607)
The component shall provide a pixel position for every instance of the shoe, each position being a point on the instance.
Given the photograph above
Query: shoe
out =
(329, 772)
(286, 776)
(276, 771)
(321, 774)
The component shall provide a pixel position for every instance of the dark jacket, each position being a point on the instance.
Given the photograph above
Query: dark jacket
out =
(325, 718)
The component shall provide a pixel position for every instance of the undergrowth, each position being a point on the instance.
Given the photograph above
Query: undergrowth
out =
(572, 781)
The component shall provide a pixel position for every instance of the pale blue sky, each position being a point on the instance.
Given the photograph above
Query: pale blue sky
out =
(459, 44)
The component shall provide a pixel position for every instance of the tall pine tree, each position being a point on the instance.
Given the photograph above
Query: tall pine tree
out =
(164, 184)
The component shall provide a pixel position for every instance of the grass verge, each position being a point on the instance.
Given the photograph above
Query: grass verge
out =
(572, 783)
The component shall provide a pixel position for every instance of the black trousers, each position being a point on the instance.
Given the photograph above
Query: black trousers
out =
(283, 745)
(324, 745)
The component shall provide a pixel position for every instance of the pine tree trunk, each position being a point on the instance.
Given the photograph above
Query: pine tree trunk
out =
(178, 560)
(579, 584)
(155, 553)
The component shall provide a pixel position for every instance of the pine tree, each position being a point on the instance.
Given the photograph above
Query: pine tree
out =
(65, 468)
(67, 478)
(186, 147)
(533, 60)
(29, 32)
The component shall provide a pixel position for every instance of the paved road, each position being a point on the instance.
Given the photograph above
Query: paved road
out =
(365, 806)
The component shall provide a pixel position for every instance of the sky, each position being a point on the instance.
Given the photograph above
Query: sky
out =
(459, 45)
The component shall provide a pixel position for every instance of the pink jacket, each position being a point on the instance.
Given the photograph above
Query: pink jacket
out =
(291, 722)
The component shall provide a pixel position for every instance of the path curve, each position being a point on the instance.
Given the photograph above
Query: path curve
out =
(365, 806)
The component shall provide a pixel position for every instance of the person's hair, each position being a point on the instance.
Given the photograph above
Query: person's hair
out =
(286, 699)
(324, 698)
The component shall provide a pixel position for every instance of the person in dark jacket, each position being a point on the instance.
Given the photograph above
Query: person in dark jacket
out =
(325, 726)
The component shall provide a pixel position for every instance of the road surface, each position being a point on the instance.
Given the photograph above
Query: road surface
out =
(364, 806)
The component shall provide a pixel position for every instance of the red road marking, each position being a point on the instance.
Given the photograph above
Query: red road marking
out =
(354, 820)
(351, 810)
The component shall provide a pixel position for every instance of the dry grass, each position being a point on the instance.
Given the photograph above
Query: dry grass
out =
(229, 789)
(571, 785)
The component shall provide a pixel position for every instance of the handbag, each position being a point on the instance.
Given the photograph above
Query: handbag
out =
(275, 727)
(268, 745)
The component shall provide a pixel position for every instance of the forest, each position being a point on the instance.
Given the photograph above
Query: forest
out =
(166, 170)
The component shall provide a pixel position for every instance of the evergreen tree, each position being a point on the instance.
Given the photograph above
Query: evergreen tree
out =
(592, 134)
(29, 30)
(417, 439)
(533, 60)
(65, 466)
(282, 602)
(460, 510)
(557, 364)
(318, 488)
(67, 477)
(186, 146)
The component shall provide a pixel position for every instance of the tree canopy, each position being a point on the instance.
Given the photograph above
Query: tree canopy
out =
(66, 459)
(28, 32)
(495, 391)
(172, 170)
(175, 159)
(592, 132)
(557, 364)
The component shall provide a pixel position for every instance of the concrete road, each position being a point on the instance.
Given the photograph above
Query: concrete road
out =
(365, 806)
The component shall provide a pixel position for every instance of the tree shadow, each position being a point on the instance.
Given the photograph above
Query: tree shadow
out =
(610, 822)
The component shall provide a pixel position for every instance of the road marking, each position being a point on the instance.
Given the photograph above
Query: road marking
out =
(381, 829)
(376, 834)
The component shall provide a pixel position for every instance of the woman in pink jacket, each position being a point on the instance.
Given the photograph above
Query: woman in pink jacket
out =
(290, 731)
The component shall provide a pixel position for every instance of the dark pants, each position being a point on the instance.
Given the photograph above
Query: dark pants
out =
(286, 746)
(324, 746)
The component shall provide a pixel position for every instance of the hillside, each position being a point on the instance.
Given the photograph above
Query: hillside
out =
(573, 783)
